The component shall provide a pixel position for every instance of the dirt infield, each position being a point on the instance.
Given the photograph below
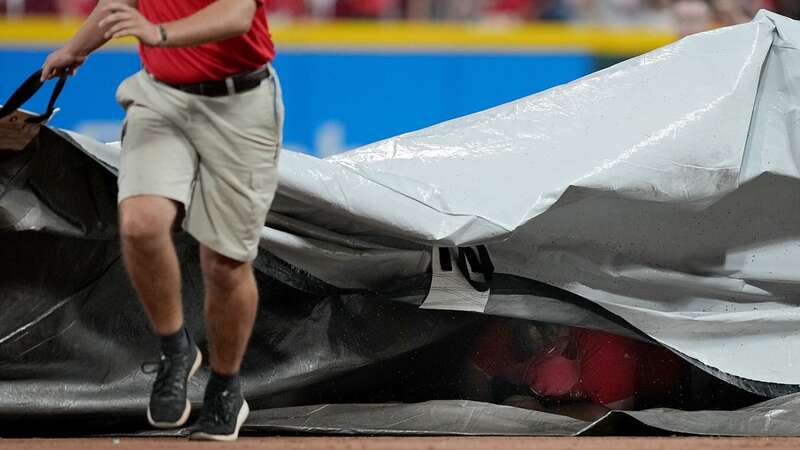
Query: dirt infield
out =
(411, 443)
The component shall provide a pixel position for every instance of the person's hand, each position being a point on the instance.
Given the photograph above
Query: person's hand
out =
(61, 61)
(124, 20)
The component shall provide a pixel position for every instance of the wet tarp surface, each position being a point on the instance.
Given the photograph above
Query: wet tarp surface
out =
(657, 199)
(776, 417)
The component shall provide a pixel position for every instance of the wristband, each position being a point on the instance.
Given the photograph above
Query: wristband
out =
(163, 33)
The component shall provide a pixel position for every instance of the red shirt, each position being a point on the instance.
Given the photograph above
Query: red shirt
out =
(207, 62)
(592, 365)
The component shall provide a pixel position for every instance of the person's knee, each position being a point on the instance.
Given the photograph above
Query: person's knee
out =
(222, 272)
(145, 220)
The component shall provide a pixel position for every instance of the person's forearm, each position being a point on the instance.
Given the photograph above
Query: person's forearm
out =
(220, 20)
(90, 36)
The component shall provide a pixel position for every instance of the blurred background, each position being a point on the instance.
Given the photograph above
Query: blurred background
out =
(357, 71)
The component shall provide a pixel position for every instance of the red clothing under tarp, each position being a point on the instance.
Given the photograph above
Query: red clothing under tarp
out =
(592, 365)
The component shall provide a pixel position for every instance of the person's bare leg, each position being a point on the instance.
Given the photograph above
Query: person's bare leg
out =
(149, 254)
(230, 304)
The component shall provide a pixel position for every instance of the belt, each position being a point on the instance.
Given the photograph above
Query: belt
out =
(235, 84)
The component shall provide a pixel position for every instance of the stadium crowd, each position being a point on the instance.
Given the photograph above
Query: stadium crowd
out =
(685, 16)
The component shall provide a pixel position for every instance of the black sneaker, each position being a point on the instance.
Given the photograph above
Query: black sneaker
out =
(169, 407)
(224, 412)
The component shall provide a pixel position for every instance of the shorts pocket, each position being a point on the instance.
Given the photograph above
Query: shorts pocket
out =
(263, 184)
(262, 192)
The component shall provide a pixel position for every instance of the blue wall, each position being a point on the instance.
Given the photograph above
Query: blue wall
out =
(334, 100)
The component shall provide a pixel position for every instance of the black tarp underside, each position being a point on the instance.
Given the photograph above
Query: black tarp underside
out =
(73, 336)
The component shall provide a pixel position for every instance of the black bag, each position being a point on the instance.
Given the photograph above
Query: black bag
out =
(18, 128)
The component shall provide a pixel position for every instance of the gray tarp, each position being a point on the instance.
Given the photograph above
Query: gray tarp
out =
(663, 189)
(657, 198)
(776, 417)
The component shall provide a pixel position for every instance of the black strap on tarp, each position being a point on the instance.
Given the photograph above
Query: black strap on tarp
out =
(480, 263)
(27, 90)
(470, 260)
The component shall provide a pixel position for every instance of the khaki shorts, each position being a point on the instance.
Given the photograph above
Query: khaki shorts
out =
(218, 156)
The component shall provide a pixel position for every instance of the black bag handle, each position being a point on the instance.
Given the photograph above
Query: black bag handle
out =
(27, 90)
